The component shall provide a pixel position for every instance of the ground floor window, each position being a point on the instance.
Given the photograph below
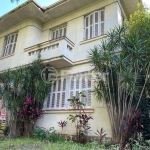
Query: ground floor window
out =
(66, 87)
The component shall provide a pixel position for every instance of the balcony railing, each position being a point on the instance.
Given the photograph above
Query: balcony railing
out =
(61, 48)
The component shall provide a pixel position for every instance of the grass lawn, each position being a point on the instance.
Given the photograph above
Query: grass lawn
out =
(36, 144)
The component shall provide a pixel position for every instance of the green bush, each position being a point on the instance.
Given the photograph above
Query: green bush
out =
(47, 134)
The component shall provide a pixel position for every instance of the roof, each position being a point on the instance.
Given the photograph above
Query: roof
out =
(31, 8)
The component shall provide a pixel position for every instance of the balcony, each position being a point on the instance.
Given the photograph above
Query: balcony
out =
(57, 53)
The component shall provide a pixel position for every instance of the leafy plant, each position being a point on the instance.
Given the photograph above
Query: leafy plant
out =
(133, 127)
(47, 134)
(41, 132)
(101, 135)
(80, 119)
(62, 124)
(29, 111)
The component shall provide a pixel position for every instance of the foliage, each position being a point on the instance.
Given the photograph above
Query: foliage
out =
(29, 111)
(46, 134)
(19, 84)
(134, 127)
(83, 126)
(40, 132)
(80, 119)
(101, 135)
(122, 66)
(62, 124)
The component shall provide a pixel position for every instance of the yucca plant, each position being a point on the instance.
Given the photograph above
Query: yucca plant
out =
(119, 63)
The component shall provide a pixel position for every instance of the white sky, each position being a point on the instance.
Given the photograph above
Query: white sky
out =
(147, 2)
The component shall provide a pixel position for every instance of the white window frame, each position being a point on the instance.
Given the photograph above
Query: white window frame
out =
(59, 32)
(10, 44)
(91, 19)
(55, 99)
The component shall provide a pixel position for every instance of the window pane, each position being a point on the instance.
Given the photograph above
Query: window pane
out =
(91, 19)
(91, 31)
(14, 48)
(10, 49)
(5, 51)
(53, 35)
(83, 82)
(48, 100)
(54, 86)
(64, 31)
(53, 100)
(89, 81)
(57, 34)
(58, 100)
(102, 28)
(59, 84)
(8, 40)
(77, 82)
(96, 29)
(61, 32)
(88, 102)
(86, 33)
(12, 38)
(63, 100)
(64, 84)
(102, 15)
(72, 83)
(96, 17)
(16, 37)
(87, 21)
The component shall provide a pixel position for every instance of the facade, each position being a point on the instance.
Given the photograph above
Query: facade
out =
(62, 34)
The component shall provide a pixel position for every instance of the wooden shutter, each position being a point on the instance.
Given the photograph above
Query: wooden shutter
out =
(102, 22)
(91, 26)
(87, 27)
(96, 23)
(57, 97)
(10, 44)
(81, 83)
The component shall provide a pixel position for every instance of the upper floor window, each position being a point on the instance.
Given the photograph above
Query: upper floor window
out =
(10, 44)
(59, 32)
(94, 24)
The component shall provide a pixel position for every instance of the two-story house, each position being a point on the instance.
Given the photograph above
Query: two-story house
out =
(62, 34)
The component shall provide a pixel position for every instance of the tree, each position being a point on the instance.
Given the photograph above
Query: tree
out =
(122, 67)
(23, 92)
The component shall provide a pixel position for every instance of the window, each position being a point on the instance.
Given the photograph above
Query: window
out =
(94, 24)
(66, 87)
(59, 32)
(10, 44)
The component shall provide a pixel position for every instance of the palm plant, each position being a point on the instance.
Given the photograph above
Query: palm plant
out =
(120, 62)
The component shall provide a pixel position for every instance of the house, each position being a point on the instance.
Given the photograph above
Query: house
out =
(62, 34)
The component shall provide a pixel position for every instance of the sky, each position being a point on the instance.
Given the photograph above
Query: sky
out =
(6, 5)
